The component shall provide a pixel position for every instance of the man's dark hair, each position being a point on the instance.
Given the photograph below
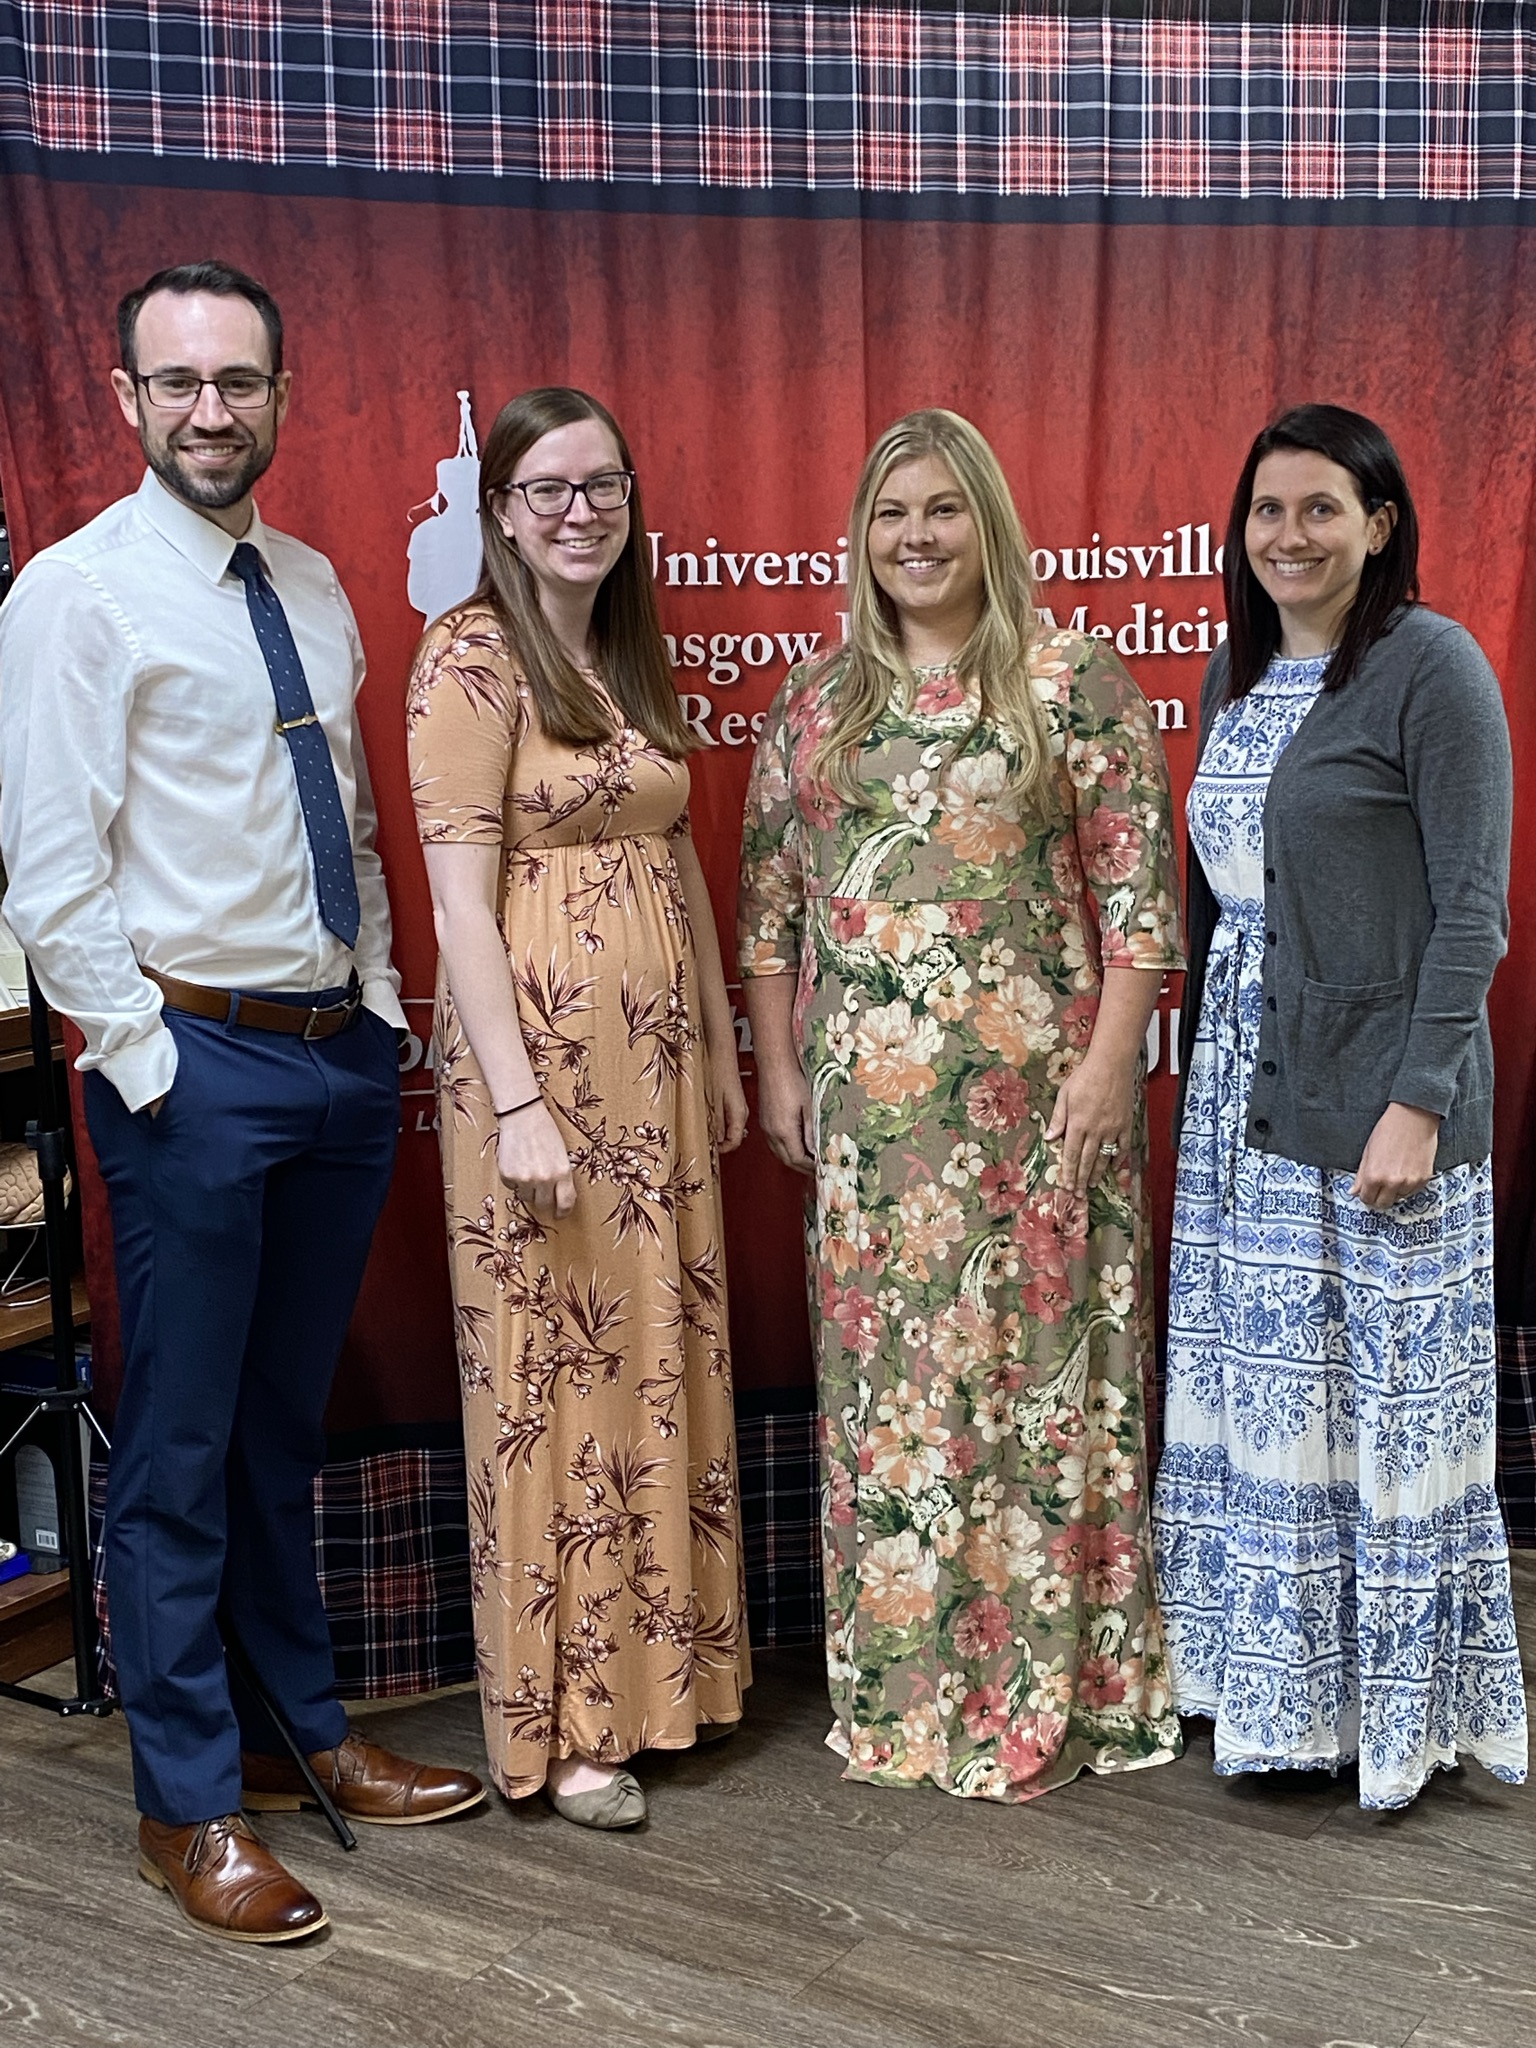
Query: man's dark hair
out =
(222, 279)
(1389, 582)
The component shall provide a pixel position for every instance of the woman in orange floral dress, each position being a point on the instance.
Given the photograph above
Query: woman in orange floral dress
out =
(958, 903)
(587, 1074)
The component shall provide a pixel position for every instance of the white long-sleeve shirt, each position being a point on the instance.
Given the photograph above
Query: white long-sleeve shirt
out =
(148, 807)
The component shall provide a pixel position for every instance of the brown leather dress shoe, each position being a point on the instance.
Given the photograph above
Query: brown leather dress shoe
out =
(368, 1783)
(227, 1881)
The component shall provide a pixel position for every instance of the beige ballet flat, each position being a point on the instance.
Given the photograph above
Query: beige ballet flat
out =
(618, 1804)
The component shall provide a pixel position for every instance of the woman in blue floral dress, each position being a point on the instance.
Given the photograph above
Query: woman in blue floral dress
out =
(958, 902)
(1332, 1562)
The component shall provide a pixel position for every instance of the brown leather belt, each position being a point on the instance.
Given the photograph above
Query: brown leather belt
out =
(225, 1007)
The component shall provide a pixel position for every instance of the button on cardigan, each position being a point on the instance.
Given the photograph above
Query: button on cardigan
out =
(1386, 876)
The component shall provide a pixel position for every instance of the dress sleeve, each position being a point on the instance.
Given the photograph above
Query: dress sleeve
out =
(462, 722)
(771, 905)
(1122, 812)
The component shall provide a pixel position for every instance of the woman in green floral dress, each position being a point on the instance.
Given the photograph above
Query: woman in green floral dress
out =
(958, 903)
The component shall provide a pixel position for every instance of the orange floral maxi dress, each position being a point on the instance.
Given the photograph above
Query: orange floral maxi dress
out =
(605, 1542)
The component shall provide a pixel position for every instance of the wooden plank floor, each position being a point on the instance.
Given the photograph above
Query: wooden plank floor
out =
(769, 1905)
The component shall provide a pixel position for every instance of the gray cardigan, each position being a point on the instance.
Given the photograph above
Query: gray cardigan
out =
(1386, 872)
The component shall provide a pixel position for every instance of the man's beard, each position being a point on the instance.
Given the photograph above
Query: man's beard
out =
(208, 493)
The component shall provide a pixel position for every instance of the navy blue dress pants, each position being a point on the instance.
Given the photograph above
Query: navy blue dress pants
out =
(241, 1217)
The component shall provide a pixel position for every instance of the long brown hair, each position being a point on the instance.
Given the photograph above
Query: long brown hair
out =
(864, 672)
(631, 654)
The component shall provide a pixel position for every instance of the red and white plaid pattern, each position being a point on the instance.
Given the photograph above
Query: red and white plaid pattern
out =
(571, 55)
(392, 1558)
(734, 45)
(762, 95)
(1312, 156)
(780, 1474)
(1033, 150)
(1175, 152)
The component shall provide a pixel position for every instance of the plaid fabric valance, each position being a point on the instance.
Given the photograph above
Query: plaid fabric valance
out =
(1323, 102)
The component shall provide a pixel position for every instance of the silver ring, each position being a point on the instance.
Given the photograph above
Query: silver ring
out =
(1108, 1149)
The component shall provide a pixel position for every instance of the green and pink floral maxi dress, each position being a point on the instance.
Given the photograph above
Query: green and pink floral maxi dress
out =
(983, 1338)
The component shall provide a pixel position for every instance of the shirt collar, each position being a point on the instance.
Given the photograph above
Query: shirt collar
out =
(206, 546)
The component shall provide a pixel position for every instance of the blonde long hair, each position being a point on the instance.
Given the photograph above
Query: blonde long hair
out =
(861, 675)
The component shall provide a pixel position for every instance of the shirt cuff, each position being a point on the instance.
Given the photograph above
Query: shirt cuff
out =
(380, 997)
(141, 1072)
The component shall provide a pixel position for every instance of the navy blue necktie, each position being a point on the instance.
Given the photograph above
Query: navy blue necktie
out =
(330, 842)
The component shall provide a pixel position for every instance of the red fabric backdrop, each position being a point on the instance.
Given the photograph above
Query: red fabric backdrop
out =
(1119, 370)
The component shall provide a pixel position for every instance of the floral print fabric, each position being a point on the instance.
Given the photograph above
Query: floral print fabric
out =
(605, 1547)
(982, 1337)
(1330, 1551)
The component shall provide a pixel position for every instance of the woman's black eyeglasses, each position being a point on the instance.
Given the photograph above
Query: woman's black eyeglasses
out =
(551, 496)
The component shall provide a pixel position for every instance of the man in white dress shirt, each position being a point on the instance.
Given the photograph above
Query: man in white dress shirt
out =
(189, 837)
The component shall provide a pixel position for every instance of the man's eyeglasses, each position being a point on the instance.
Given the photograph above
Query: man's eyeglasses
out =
(550, 496)
(179, 390)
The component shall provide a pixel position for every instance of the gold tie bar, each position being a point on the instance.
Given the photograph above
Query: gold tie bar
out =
(283, 725)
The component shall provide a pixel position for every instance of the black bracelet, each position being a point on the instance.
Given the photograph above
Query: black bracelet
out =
(500, 1113)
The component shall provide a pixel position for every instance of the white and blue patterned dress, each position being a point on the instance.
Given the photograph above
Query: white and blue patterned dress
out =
(1332, 1563)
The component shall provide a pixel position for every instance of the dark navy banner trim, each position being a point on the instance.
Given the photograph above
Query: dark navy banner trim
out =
(579, 195)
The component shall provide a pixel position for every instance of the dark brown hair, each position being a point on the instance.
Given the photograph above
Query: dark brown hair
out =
(631, 654)
(1389, 580)
(221, 279)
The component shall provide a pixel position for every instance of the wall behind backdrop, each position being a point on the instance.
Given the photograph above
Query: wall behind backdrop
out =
(1117, 246)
